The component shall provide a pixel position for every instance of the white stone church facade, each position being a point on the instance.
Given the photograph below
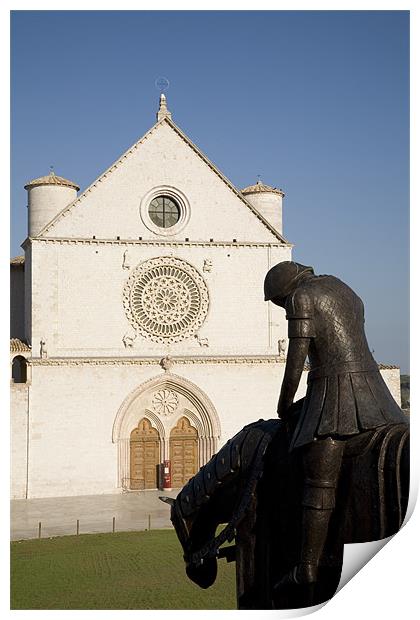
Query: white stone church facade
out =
(139, 330)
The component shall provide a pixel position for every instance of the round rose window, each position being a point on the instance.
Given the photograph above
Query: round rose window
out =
(166, 299)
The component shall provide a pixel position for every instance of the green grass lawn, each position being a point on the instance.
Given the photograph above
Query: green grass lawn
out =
(125, 570)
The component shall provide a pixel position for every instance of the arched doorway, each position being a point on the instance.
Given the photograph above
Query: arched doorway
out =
(145, 402)
(183, 449)
(144, 456)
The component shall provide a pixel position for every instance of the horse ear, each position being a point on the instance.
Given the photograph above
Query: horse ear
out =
(167, 500)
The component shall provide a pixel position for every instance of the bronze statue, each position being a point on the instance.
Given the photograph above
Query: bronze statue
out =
(346, 394)
(332, 470)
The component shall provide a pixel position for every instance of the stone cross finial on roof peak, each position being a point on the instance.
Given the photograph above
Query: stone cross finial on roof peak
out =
(163, 111)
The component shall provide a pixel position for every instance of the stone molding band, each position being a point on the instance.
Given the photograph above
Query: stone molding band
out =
(152, 242)
(146, 361)
(150, 361)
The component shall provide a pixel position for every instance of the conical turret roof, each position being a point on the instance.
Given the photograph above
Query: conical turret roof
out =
(259, 188)
(52, 179)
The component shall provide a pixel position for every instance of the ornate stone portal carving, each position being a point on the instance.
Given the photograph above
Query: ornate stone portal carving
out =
(166, 300)
(165, 402)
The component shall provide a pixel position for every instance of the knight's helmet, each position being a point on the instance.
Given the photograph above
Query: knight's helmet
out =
(283, 278)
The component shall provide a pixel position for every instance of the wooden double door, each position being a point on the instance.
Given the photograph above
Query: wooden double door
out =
(145, 454)
(183, 449)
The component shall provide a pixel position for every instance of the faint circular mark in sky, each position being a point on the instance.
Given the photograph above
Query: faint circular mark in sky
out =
(162, 84)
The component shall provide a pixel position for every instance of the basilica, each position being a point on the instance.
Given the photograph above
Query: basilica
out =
(140, 339)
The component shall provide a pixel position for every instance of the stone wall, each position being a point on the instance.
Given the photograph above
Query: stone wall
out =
(78, 304)
(391, 376)
(19, 402)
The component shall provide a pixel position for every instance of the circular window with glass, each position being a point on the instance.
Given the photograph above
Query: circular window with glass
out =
(164, 211)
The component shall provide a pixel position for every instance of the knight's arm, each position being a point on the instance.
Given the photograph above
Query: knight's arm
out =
(301, 328)
(296, 356)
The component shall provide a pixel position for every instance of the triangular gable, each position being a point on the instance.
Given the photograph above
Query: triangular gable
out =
(225, 180)
(124, 156)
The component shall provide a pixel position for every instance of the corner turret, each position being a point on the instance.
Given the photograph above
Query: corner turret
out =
(268, 201)
(47, 196)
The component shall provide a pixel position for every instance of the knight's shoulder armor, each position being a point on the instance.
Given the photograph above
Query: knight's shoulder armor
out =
(299, 305)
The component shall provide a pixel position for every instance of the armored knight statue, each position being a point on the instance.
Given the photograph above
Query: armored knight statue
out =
(345, 396)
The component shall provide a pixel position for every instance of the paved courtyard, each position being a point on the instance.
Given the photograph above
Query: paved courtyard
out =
(59, 515)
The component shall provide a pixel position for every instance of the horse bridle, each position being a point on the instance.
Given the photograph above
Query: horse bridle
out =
(211, 548)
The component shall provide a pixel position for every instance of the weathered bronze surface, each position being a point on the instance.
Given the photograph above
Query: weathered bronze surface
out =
(333, 470)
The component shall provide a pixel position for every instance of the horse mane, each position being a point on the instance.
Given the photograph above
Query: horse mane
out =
(241, 458)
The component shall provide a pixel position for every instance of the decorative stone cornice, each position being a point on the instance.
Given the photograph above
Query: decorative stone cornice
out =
(155, 242)
(150, 361)
(157, 361)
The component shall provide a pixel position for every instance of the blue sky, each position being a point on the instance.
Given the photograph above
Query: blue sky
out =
(316, 102)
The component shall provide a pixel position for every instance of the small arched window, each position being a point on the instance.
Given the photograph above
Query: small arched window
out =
(19, 369)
